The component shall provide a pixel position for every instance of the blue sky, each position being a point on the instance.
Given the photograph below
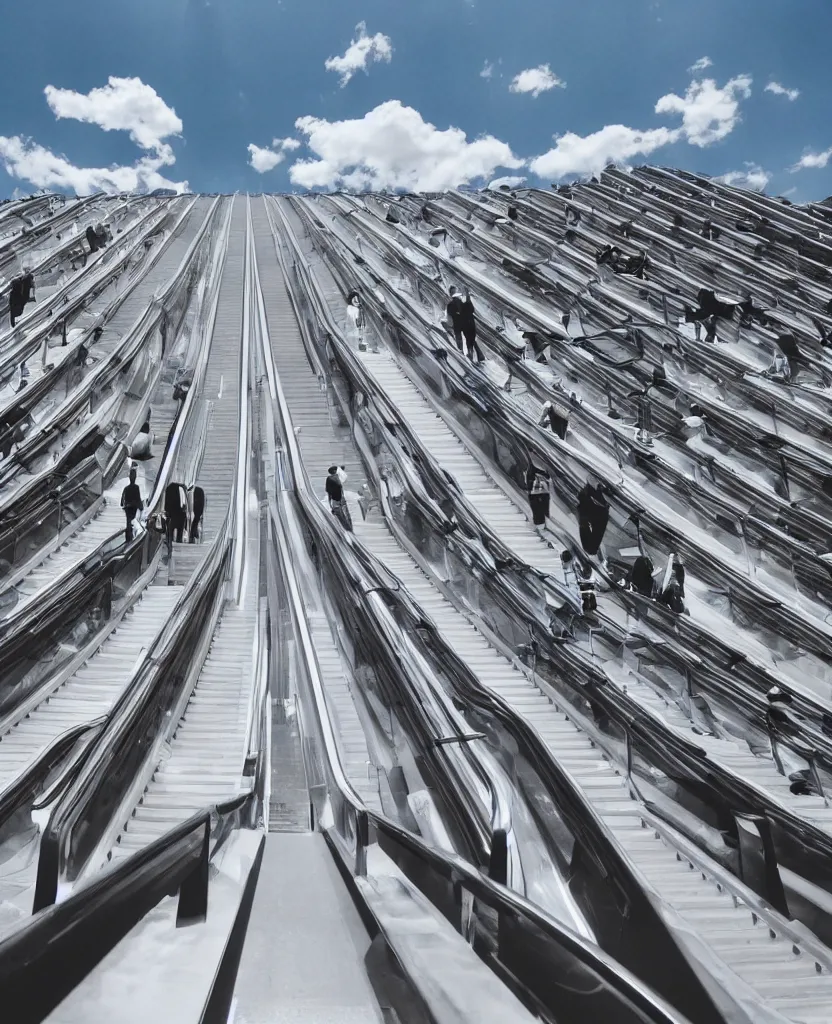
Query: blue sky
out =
(177, 90)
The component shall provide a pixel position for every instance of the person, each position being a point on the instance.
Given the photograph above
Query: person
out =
(141, 447)
(22, 292)
(176, 509)
(593, 516)
(335, 481)
(102, 235)
(673, 592)
(537, 483)
(551, 417)
(131, 502)
(463, 323)
(356, 315)
(197, 511)
(92, 238)
(640, 577)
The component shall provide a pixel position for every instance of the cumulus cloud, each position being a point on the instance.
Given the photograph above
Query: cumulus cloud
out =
(25, 159)
(487, 69)
(508, 180)
(536, 80)
(781, 90)
(812, 161)
(709, 112)
(753, 177)
(614, 143)
(700, 65)
(362, 51)
(124, 104)
(266, 158)
(392, 146)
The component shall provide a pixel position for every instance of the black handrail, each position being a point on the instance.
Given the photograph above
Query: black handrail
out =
(46, 958)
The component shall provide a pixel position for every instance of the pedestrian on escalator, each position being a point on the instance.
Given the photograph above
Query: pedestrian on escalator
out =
(176, 512)
(463, 322)
(537, 484)
(335, 481)
(22, 292)
(197, 511)
(131, 502)
(92, 239)
(141, 449)
(593, 516)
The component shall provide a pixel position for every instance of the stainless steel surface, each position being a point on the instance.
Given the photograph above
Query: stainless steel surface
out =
(303, 961)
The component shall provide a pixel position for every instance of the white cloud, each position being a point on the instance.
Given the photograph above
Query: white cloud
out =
(781, 90)
(700, 65)
(536, 80)
(487, 69)
(509, 180)
(614, 143)
(812, 161)
(362, 51)
(753, 177)
(709, 112)
(30, 162)
(265, 158)
(392, 146)
(124, 104)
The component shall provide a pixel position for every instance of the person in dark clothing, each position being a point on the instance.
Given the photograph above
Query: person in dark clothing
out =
(537, 484)
(673, 595)
(335, 492)
(558, 423)
(131, 502)
(92, 239)
(593, 516)
(22, 292)
(709, 306)
(640, 577)
(463, 323)
(101, 235)
(198, 500)
(176, 512)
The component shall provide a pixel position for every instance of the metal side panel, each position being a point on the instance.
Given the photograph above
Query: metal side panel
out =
(768, 962)
(206, 757)
(158, 275)
(322, 442)
(90, 692)
(303, 960)
(222, 383)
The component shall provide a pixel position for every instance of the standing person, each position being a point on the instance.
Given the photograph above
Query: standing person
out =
(335, 492)
(593, 516)
(22, 292)
(131, 502)
(537, 483)
(175, 513)
(356, 315)
(464, 324)
(198, 507)
(92, 238)
(143, 443)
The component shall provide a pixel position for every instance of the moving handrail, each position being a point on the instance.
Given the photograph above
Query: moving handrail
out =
(156, 695)
(46, 958)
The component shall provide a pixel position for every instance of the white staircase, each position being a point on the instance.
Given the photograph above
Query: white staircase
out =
(355, 756)
(781, 976)
(93, 689)
(208, 751)
(75, 548)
